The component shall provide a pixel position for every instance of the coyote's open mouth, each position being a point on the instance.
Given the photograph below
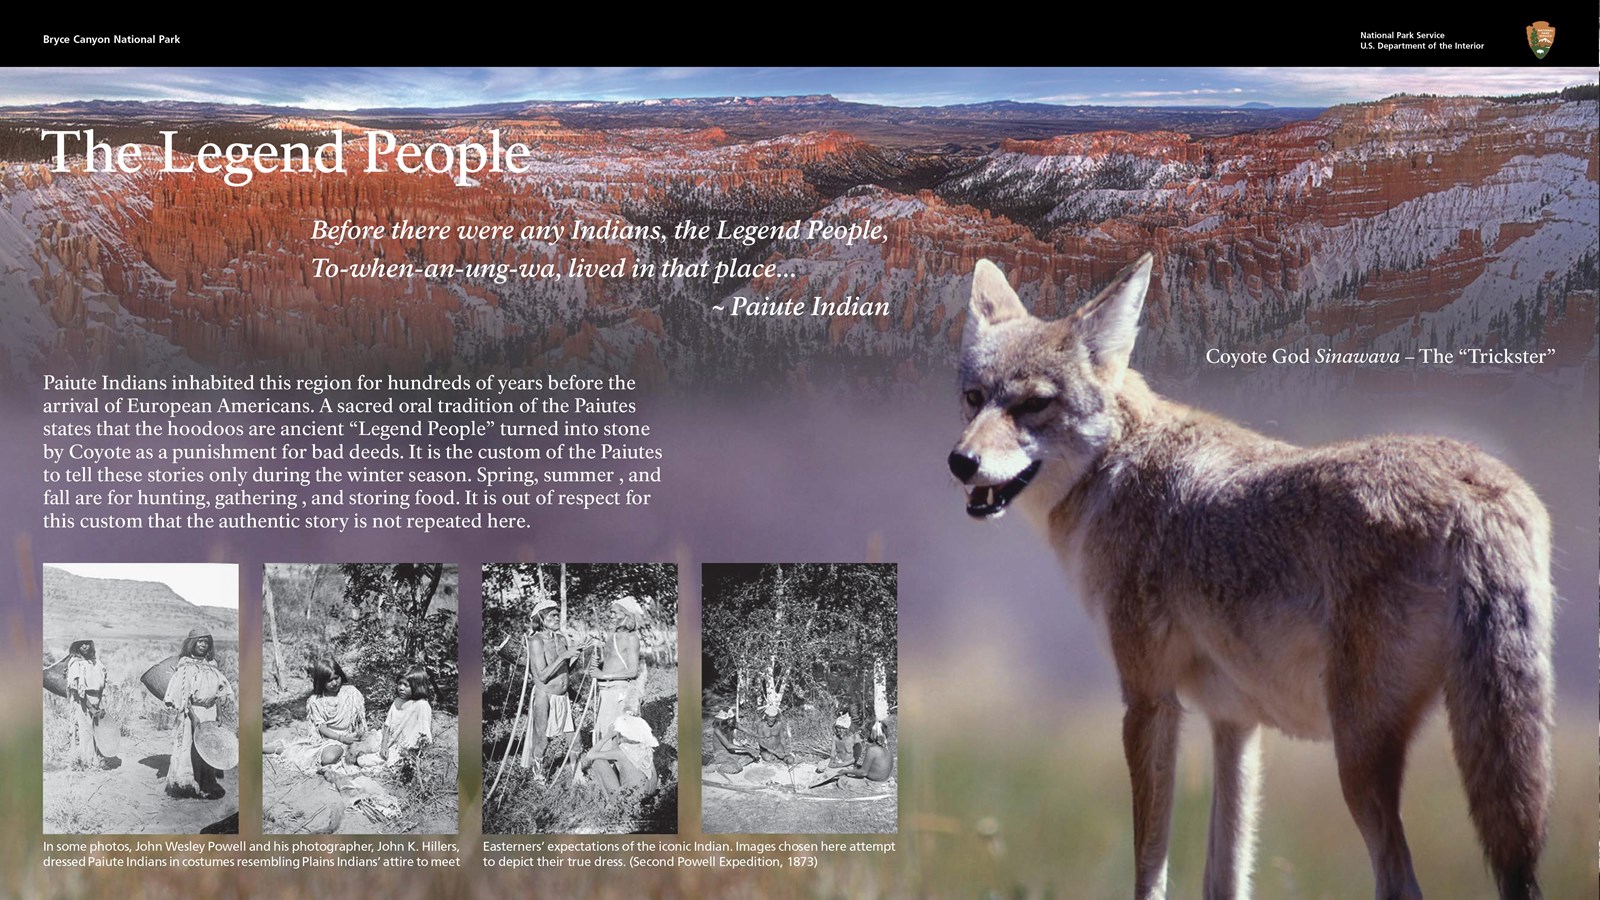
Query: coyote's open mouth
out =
(991, 500)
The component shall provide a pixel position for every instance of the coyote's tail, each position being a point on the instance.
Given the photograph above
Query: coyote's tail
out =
(1499, 686)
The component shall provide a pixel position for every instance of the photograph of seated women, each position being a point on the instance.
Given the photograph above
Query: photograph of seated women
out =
(361, 737)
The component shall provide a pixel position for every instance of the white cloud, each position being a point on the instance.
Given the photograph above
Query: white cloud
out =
(1324, 86)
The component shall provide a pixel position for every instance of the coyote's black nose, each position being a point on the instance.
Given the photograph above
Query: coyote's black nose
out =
(963, 466)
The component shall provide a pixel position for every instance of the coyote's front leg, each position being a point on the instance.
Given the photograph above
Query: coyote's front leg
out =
(1150, 741)
(1236, 759)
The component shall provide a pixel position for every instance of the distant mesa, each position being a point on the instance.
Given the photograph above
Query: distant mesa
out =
(973, 124)
(118, 608)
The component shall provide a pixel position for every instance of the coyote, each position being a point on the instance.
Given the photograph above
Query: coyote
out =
(1328, 592)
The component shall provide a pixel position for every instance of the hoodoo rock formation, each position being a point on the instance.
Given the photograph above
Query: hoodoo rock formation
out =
(1389, 225)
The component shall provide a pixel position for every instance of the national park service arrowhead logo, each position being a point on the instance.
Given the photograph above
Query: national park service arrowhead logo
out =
(1540, 38)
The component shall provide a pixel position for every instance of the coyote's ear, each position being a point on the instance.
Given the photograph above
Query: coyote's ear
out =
(1109, 323)
(993, 300)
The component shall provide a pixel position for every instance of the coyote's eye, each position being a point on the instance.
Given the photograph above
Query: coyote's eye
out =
(1032, 405)
(973, 397)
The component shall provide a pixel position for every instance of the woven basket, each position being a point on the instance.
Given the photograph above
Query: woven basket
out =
(217, 745)
(157, 677)
(55, 677)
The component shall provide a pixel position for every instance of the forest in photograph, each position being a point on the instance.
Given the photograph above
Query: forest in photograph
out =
(360, 699)
(800, 698)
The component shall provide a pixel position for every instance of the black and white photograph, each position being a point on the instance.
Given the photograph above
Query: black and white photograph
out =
(799, 697)
(360, 699)
(141, 714)
(580, 698)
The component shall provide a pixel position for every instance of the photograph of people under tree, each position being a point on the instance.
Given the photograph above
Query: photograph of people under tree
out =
(799, 732)
(359, 699)
(580, 698)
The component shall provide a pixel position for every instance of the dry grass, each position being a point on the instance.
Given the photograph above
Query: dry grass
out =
(521, 805)
(1056, 804)
(1049, 790)
(565, 807)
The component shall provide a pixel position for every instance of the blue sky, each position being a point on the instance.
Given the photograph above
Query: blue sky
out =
(347, 88)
